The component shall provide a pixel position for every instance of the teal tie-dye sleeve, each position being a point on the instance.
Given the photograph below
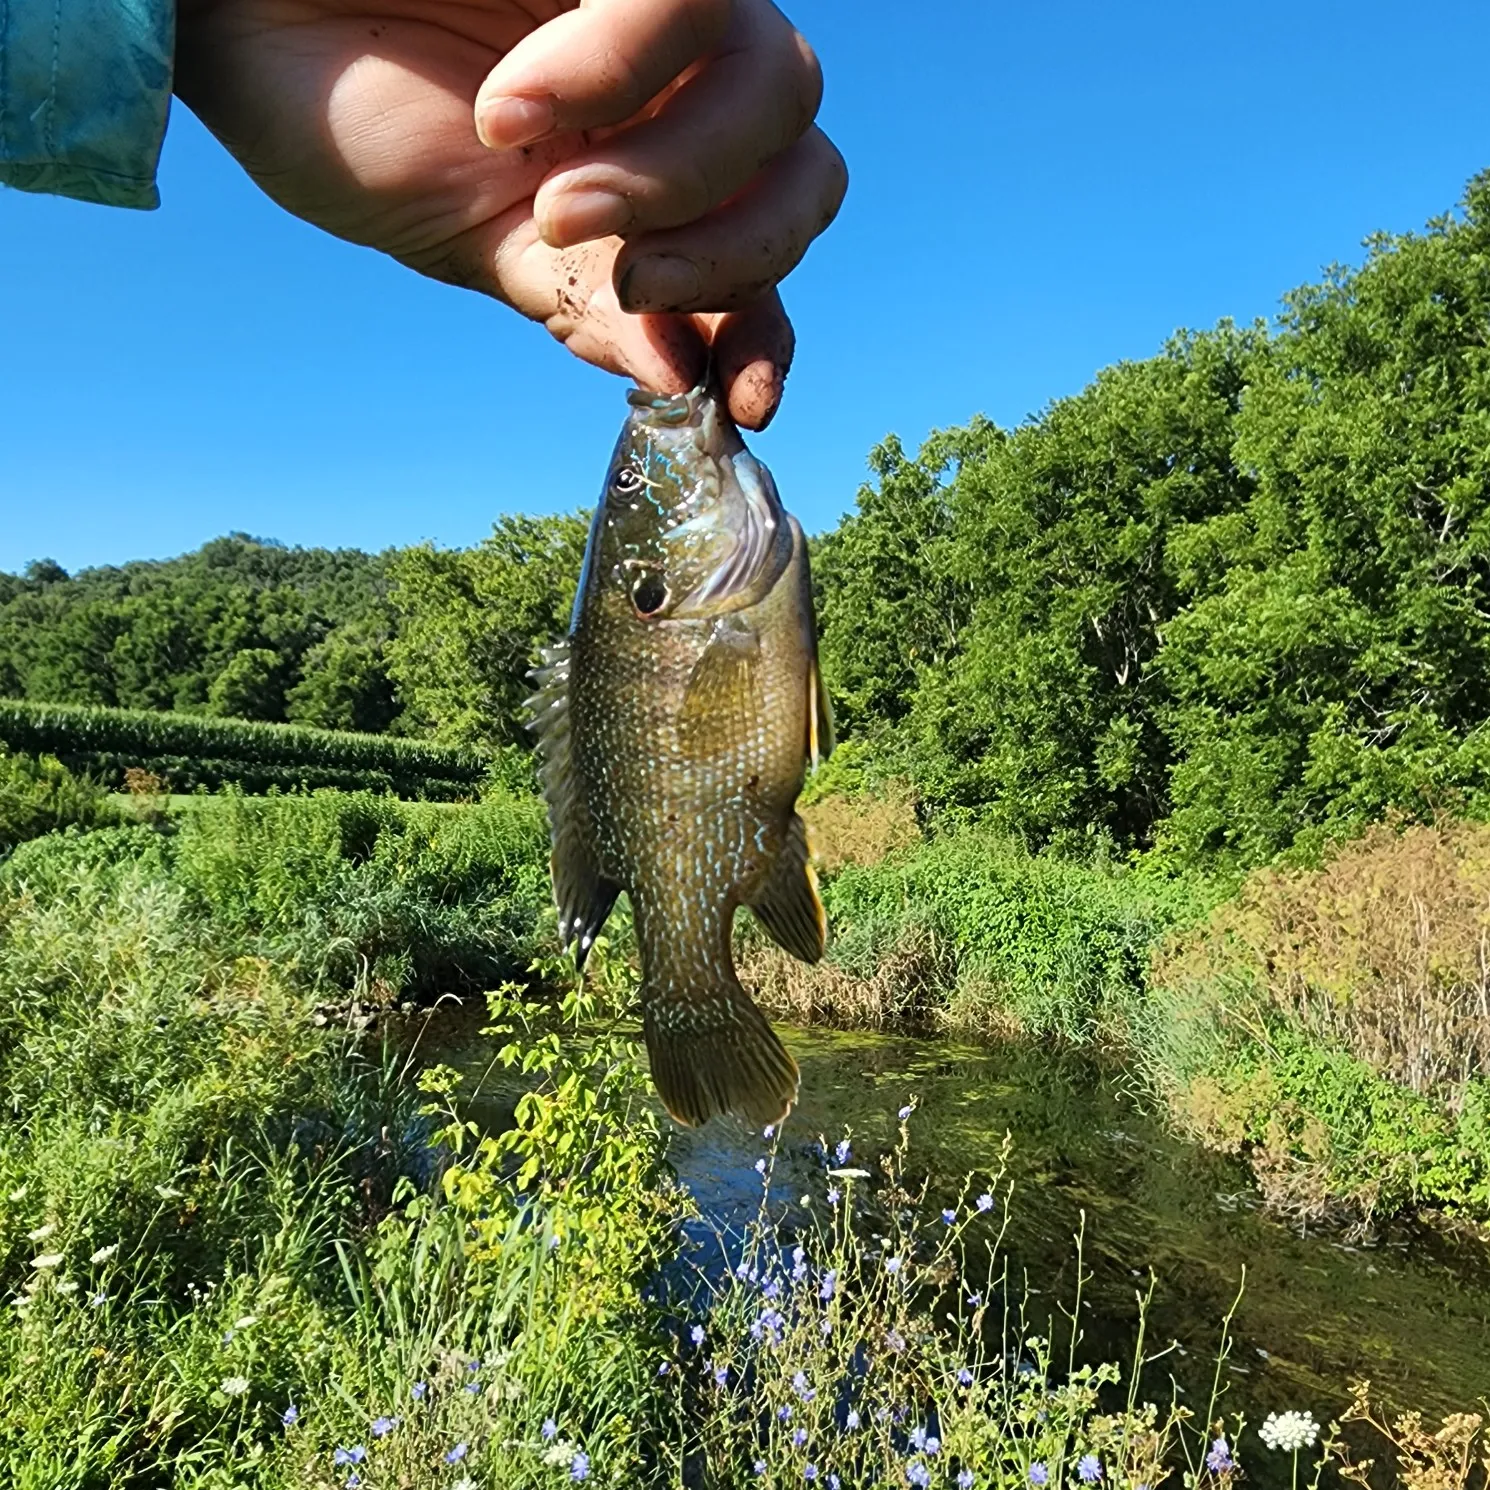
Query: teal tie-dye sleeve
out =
(85, 88)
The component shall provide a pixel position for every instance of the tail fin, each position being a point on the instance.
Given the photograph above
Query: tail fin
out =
(712, 1051)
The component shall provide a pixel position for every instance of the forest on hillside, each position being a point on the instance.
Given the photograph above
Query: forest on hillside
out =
(1225, 601)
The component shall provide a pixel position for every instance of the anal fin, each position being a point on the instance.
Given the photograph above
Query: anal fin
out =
(788, 904)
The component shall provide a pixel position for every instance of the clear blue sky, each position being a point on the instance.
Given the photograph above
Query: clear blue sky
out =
(1037, 191)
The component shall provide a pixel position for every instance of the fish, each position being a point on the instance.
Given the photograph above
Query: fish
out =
(675, 725)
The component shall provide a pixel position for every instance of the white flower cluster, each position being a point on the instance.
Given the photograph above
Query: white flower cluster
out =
(1289, 1431)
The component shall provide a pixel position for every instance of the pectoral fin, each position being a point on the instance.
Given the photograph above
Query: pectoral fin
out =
(723, 688)
(788, 904)
(583, 894)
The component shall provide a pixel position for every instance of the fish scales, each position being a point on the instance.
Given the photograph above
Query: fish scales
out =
(675, 732)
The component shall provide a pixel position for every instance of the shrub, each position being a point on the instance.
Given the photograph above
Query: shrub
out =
(40, 795)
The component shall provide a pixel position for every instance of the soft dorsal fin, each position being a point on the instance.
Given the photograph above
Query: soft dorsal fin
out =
(788, 904)
(583, 894)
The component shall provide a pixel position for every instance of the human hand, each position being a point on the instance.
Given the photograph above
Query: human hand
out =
(646, 171)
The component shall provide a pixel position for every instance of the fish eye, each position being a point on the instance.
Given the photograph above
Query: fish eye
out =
(648, 593)
(627, 480)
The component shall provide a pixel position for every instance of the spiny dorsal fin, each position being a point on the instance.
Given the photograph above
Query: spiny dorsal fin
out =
(584, 896)
(788, 904)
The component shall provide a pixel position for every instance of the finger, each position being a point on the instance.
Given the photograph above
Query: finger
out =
(743, 249)
(593, 66)
(707, 141)
(753, 351)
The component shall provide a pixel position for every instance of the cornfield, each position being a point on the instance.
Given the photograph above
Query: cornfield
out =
(188, 751)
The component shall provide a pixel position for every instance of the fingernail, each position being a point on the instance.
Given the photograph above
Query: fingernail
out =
(579, 216)
(505, 122)
(660, 282)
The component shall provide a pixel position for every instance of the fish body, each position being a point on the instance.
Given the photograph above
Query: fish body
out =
(675, 727)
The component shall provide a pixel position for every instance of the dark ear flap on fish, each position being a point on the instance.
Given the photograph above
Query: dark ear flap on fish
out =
(788, 904)
(724, 686)
(584, 896)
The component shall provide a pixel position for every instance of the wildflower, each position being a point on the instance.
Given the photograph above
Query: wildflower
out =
(455, 1455)
(802, 1387)
(769, 1131)
(799, 1264)
(964, 1376)
(548, 1429)
(663, 1368)
(918, 1475)
(553, 1242)
(234, 1386)
(833, 1196)
(772, 1290)
(809, 1471)
(760, 1166)
(42, 1232)
(1039, 1475)
(382, 1427)
(1219, 1460)
(759, 1467)
(918, 1438)
(949, 1216)
(964, 1479)
(418, 1390)
(354, 1455)
(721, 1376)
(1089, 1467)
(98, 1298)
(894, 1339)
(290, 1416)
(696, 1334)
(851, 1422)
(828, 1286)
(825, 1327)
(905, 1112)
(974, 1298)
(473, 1387)
(985, 1201)
(784, 1412)
(353, 1480)
(46, 1260)
(799, 1437)
(579, 1466)
(833, 1482)
(892, 1264)
(842, 1152)
(1289, 1431)
(933, 1444)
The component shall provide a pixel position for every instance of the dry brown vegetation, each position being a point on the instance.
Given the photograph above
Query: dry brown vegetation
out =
(1455, 1456)
(1384, 952)
(861, 830)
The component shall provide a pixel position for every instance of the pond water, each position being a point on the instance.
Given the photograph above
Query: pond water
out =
(1410, 1310)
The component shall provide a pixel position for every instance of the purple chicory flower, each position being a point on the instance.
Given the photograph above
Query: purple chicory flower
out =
(291, 1416)
(949, 1217)
(455, 1455)
(760, 1166)
(784, 1412)
(829, 1286)
(1089, 1467)
(799, 1437)
(964, 1376)
(892, 1264)
(383, 1426)
(696, 1334)
(851, 1422)
(354, 1455)
(759, 1467)
(809, 1471)
(905, 1112)
(842, 1152)
(964, 1479)
(1039, 1475)
(1219, 1460)
(985, 1201)
(918, 1475)
(918, 1438)
(418, 1390)
(833, 1195)
(579, 1466)
(548, 1429)
(894, 1339)
(663, 1368)
(721, 1376)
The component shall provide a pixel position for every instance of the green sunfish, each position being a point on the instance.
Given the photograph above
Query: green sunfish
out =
(675, 724)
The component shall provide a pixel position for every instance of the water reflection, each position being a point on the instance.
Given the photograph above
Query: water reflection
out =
(1411, 1311)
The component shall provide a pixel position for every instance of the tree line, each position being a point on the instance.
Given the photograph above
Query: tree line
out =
(1225, 600)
